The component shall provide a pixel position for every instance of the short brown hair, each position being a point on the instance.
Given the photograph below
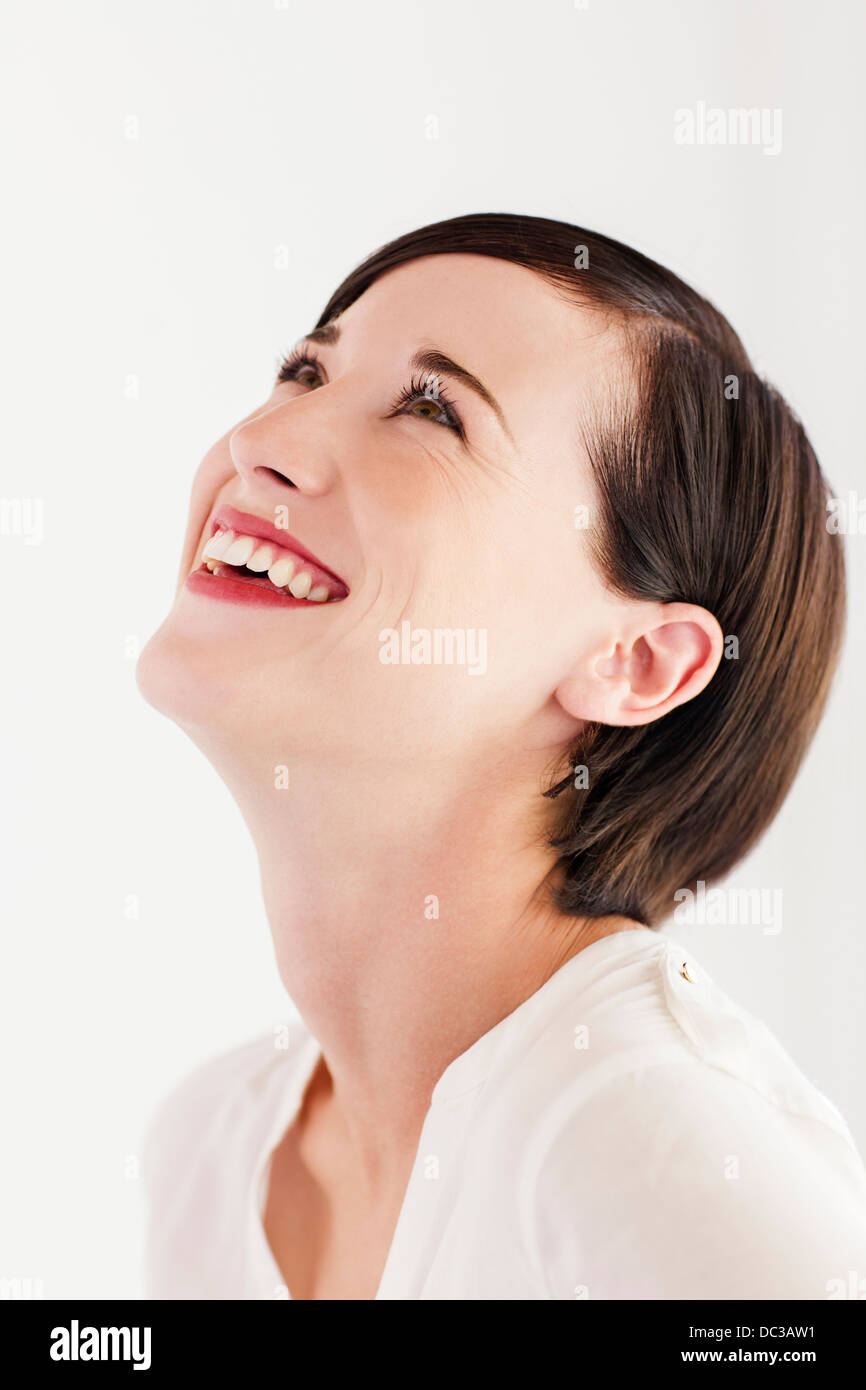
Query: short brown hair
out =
(710, 493)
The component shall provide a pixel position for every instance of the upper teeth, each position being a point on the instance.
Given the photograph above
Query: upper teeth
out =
(283, 569)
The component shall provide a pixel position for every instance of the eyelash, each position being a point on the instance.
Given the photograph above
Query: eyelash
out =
(291, 367)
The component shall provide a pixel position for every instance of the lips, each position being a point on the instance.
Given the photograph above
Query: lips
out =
(248, 560)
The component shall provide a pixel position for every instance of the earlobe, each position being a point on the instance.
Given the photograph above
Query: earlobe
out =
(660, 663)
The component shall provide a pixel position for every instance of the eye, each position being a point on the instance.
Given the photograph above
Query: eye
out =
(300, 366)
(425, 399)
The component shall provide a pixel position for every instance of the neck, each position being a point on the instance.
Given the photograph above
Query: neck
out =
(408, 918)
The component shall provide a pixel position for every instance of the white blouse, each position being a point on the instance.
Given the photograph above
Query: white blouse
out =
(627, 1132)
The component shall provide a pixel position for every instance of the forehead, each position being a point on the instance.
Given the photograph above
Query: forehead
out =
(527, 342)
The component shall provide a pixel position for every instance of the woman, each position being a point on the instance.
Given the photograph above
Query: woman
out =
(507, 618)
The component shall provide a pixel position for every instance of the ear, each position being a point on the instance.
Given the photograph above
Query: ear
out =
(663, 655)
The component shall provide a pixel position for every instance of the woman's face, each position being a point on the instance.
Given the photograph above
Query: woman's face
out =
(445, 525)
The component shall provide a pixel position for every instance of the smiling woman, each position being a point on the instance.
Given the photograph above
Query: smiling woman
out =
(504, 1081)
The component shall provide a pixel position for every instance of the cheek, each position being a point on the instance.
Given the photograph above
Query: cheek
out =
(544, 606)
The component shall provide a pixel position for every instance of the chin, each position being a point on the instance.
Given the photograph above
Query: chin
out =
(180, 677)
(225, 697)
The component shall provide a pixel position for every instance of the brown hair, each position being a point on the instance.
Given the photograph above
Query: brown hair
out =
(711, 494)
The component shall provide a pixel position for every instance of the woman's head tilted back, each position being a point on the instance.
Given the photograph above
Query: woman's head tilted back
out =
(581, 550)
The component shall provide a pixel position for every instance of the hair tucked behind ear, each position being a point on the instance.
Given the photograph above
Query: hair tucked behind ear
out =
(709, 493)
(715, 500)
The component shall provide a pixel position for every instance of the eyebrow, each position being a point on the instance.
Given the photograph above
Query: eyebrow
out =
(431, 360)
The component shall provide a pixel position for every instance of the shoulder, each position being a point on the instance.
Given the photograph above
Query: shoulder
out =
(201, 1153)
(646, 1001)
(685, 1155)
(214, 1098)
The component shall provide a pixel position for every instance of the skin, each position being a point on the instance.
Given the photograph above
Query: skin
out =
(407, 781)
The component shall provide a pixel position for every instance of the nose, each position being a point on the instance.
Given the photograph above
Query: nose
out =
(285, 446)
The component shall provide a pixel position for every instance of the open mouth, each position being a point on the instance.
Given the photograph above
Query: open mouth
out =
(256, 560)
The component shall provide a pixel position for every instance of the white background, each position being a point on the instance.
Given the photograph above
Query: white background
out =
(144, 313)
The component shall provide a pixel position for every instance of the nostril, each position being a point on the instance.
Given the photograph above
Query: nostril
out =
(278, 477)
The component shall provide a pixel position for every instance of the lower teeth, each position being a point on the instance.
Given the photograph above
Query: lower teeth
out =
(217, 568)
